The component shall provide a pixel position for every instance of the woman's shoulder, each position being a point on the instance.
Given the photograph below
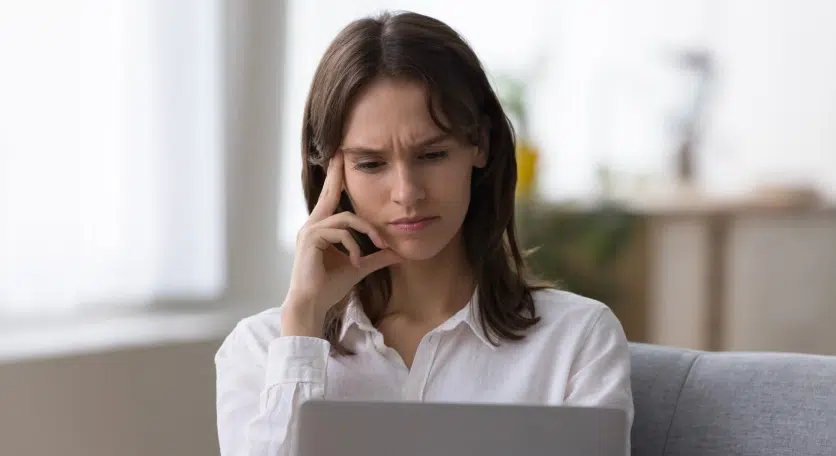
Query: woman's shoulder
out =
(251, 337)
(564, 312)
(553, 304)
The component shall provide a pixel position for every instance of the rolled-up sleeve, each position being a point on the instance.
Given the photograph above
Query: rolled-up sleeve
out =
(600, 375)
(260, 385)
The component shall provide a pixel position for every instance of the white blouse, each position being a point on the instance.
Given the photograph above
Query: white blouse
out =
(576, 355)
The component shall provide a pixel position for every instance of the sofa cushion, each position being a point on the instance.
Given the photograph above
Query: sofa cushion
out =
(658, 374)
(756, 404)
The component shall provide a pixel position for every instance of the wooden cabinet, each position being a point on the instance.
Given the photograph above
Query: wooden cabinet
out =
(730, 277)
(742, 279)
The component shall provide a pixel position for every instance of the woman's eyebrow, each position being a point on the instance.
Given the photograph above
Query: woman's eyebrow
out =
(432, 140)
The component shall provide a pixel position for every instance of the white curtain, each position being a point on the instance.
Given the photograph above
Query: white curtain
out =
(110, 153)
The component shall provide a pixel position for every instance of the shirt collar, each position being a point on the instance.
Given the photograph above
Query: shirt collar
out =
(469, 315)
(355, 316)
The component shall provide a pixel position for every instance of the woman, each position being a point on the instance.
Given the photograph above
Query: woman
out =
(408, 282)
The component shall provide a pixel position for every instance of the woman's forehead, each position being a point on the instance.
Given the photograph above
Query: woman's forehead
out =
(389, 111)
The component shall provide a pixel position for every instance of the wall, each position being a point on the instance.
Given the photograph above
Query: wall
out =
(148, 401)
(776, 103)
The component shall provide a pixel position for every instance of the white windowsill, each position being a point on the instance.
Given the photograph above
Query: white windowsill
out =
(101, 334)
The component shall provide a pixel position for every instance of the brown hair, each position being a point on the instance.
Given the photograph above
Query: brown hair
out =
(423, 49)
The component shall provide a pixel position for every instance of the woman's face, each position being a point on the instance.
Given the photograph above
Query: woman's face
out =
(402, 173)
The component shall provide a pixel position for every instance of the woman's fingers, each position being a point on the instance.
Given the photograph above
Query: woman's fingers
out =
(329, 198)
(326, 237)
(378, 260)
(348, 220)
(323, 238)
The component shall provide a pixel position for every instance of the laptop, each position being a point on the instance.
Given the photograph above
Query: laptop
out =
(348, 428)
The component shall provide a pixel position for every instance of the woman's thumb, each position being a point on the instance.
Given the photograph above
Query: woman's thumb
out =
(378, 260)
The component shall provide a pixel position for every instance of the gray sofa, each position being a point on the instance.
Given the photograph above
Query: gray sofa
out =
(692, 403)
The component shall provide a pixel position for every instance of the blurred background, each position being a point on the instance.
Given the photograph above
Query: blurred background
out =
(677, 161)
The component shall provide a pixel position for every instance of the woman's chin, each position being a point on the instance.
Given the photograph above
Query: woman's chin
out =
(413, 250)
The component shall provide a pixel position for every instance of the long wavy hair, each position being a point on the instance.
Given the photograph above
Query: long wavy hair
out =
(419, 48)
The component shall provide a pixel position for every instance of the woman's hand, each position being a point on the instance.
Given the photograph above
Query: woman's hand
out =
(322, 275)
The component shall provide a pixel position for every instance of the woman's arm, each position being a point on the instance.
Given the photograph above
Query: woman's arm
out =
(600, 374)
(259, 390)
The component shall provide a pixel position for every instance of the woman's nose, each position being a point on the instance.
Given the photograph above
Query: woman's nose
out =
(406, 186)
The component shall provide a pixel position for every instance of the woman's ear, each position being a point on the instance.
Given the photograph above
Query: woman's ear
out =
(481, 158)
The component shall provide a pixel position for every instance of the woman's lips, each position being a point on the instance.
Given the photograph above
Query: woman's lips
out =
(413, 225)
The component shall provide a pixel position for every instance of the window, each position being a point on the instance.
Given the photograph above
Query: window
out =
(110, 154)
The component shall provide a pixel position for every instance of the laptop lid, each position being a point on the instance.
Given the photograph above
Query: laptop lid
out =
(347, 428)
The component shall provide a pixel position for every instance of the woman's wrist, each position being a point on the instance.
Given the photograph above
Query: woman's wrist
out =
(300, 319)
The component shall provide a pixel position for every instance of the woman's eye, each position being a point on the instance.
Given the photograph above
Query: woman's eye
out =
(368, 165)
(434, 155)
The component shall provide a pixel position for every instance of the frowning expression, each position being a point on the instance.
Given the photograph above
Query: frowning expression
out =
(403, 173)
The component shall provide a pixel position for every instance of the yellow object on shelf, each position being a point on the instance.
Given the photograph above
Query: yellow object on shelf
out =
(527, 155)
